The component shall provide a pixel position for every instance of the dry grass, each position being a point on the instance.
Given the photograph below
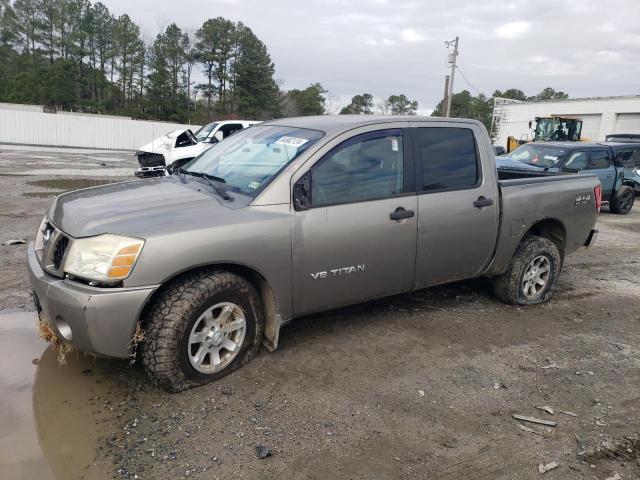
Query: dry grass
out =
(46, 333)
(138, 336)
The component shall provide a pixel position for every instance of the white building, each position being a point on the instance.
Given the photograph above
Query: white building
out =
(601, 116)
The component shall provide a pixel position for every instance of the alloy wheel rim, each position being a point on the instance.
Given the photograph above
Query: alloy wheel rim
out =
(216, 337)
(536, 277)
(626, 200)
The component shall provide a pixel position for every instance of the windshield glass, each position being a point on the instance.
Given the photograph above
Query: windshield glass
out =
(204, 132)
(538, 155)
(248, 160)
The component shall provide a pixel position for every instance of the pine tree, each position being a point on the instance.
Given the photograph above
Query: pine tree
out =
(255, 93)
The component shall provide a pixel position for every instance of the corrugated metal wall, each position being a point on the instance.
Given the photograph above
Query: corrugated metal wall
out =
(28, 125)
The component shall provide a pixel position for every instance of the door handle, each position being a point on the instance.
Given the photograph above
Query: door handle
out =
(400, 213)
(482, 201)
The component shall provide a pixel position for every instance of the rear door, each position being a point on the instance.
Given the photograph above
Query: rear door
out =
(601, 165)
(458, 204)
(358, 238)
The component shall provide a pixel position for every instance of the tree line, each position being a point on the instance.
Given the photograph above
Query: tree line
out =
(72, 54)
(77, 55)
(480, 107)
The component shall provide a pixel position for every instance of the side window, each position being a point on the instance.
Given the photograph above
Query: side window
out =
(577, 161)
(365, 167)
(449, 158)
(599, 160)
(630, 158)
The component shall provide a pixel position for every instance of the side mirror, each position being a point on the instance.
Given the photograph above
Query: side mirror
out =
(302, 193)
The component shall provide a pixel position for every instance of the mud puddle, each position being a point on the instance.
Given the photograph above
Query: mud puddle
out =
(51, 417)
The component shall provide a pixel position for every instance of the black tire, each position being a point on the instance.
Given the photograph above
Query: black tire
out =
(622, 202)
(170, 317)
(510, 288)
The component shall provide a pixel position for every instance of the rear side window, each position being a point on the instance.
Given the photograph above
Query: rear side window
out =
(577, 161)
(599, 159)
(630, 157)
(449, 158)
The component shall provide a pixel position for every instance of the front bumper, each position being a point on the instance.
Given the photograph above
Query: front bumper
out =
(90, 319)
(150, 172)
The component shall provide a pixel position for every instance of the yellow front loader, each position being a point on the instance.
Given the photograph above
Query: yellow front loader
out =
(550, 129)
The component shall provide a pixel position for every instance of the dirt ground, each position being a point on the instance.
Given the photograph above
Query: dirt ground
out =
(423, 385)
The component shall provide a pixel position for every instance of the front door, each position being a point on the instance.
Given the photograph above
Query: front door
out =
(458, 203)
(358, 238)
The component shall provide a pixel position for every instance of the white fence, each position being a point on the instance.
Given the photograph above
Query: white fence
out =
(29, 125)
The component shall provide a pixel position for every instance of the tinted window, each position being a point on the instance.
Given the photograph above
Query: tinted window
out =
(577, 161)
(599, 159)
(365, 167)
(630, 157)
(230, 128)
(449, 158)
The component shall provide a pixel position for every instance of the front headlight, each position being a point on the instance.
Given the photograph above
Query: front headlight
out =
(105, 258)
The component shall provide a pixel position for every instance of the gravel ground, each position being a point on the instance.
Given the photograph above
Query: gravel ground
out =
(423, 385)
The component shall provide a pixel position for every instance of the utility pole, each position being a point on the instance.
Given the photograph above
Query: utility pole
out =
(445, 99)
(452, 61)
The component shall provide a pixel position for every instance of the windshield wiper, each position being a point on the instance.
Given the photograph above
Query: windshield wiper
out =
(208, 179)
(179, 171)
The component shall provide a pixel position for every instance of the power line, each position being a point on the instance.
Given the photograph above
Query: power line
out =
(467, 81)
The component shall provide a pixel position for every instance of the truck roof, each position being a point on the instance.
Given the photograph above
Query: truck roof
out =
(336, 123)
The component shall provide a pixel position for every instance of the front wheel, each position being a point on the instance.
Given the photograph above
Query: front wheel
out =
(532, 275)
(622, 202)
(200, 328)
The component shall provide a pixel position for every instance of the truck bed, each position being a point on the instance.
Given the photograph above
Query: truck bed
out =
(518, 174)
(526, 198)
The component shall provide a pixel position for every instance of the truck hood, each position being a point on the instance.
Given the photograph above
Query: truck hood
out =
(510, 163)
(163, 144)
(140, 208)
(166, 146)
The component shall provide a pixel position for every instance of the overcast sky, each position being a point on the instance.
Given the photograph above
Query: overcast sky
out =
(583, 47)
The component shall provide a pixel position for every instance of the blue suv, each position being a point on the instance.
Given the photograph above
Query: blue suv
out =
(617, 165)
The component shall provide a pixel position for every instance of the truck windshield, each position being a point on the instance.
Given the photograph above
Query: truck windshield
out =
(247, 161)
(538, 155)
(204, 132)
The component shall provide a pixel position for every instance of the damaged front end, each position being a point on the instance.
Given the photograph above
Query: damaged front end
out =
(151, 165)
(167, 153)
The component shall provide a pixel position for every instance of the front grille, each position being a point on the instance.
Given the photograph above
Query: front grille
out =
(51, 248)
(150, 159)
(59, 250)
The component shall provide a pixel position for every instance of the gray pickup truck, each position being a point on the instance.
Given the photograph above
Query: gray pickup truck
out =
(291, 217)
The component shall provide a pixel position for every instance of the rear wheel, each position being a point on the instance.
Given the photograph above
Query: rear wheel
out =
(200, 328)
(623, 200)
(532, 275)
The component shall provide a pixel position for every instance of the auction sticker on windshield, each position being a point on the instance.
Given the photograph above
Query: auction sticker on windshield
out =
(292, 141)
